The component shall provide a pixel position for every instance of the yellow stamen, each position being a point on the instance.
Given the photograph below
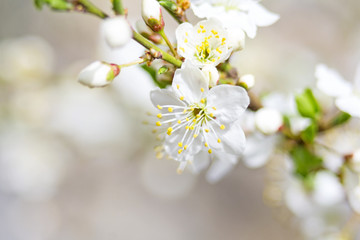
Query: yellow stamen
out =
(182, 98)
(158, 123)
(209, 151)
(159, 115)
(202, 100)
(185, 147)
(185, 40)
(177, 86)
(195, 135)
(180, 151)
(179, 121)
(207, 130)
(222, 127)
(170, 109)
(201, 26)
(202, 90)
(159, 107)
(219, 140)
(180, 144)
(214, 108)
(206, 144)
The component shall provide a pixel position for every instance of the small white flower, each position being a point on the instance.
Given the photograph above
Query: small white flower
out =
(236, 39)
(204, 44)
(327, 189)
(151, 13)
(354, 161)
(352, 188)
(347, 97)
(196, 121)
(268, 120)
(117, 31)
(244, 14)
(248, 80)
(98, 74)
(211, 74)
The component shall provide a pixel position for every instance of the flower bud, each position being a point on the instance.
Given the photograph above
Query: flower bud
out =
(247, 81)
(211, 74)
(268, 121)
(236, 38)
(98, 74)
(151, 13)
(117, 31)
(354, 161)
(144, 30)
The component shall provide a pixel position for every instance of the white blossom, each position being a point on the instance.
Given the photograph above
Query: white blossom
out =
(211, 74)
(248, 80)
(268, 120)
(347, 97)
(234, 14)
(204, 44)
(151, 13)
(98, 74)
(116, 31)
(199, 124)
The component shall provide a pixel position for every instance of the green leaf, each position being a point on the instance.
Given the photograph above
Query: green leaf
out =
(163, 69)
(307, 105)
(152, 73)
(305, 161)
(39, 3)
(343, 117)
(309, 134)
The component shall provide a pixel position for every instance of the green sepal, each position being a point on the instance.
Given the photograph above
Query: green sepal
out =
(163, 69)
(305, 162)
(152, 72)
(308, 135)
(341, 118)
(307, 104)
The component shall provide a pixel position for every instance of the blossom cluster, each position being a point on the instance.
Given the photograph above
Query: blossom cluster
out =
(208, 117)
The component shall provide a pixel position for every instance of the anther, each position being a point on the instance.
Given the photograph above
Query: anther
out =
(202, 100)
(202, 89)
(179, 121)
(158, 123)
(182, 98)
(185, 147)
(206, 144)
(222, 127)
(170, 109)
(159, 107)
(209, 151)
(207, 130)
(180, 151)
(195, 135)
(219, 140)
(180, 144)
(159, 115)
(177, 86)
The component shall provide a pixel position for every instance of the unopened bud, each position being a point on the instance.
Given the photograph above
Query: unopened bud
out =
(98, 74)
(247, 81)
(117, 31)
(151, 13)
(211, 74)
(354, 161)
(144, 30)
(268, 121)
(236, 39)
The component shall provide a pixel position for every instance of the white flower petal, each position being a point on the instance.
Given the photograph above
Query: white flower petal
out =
(212, 75)
(331, 82)
(351, 181)
(233, 140)
(262, 17)
(258, 150)
(164, 97)
(349, 104)
(190, 82)
(200, 161)
(230, 102)
(223, 163)
(327, 189)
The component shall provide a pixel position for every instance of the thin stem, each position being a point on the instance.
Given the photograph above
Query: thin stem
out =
(163, 35)
(147, 44)
(132, 63)
(118, 7)
(91, 8)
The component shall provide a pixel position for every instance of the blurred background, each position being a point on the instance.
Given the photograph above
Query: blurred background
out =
(77, 163)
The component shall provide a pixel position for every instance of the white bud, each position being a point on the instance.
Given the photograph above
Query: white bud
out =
(151, 13)
(328, 191)
(236, 39)
(117, 31)
(248, 80)
(298, 124)
(355, 161)
(98, 74)
(268, 121)
(211, 74)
